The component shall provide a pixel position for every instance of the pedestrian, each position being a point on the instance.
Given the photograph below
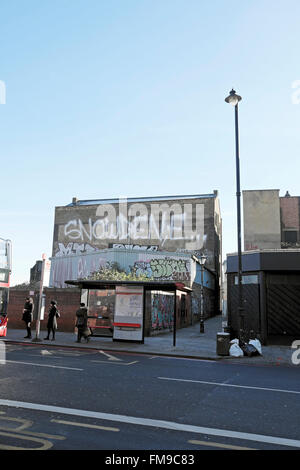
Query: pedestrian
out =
(27, 315)
(52, 319)
(82, 323)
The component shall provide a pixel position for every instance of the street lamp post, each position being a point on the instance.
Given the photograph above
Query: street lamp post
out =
(234, 100)
(202, 260)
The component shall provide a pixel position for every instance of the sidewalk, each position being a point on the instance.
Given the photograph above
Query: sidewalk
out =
(190, 343)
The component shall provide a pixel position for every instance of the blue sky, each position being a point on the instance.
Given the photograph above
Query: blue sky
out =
(109, 98)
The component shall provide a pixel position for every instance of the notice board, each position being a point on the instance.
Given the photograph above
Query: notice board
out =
(128, 319)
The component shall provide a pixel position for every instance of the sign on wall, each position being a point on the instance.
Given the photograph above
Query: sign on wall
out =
(128, 319)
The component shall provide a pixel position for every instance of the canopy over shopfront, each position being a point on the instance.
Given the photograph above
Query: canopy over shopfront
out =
(127, 305)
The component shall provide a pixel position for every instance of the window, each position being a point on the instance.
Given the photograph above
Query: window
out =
(290, 236)
(250, 279)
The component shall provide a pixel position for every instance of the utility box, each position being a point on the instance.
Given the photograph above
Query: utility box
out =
(223, 344)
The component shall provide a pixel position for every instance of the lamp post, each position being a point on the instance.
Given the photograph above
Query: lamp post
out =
(234, 100)
(202, 260)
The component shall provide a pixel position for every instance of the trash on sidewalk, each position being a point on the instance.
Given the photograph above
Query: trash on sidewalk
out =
(234, 349)
(249, 350)
(3, 325)
(257, 344)
(239, 348)
(223, 344)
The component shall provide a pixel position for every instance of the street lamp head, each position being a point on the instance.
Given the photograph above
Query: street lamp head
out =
(202, 260)
(233, 98)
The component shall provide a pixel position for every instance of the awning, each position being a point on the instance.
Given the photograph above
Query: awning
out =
(148, 285)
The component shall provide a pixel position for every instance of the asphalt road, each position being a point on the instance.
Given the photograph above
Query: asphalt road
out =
(74, 399)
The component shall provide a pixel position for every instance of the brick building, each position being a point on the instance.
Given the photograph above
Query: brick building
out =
(67, 299)
(270, 221)
(271, 267)
(159, 237)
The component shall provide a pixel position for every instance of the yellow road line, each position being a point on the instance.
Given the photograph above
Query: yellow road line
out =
(26, 424)
(218, 444)
(84, 425)
(45, 444)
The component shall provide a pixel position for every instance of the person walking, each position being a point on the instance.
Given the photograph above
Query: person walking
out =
(52, 319)
(82, 323)
(27, 315)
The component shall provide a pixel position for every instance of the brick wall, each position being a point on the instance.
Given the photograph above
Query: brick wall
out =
(15, 308)
(67, 301)
(289, 212)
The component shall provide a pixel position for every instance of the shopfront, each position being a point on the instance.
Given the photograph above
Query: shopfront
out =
(129, 311)
(270, 292)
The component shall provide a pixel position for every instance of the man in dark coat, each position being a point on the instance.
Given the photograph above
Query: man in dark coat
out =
(52, 319)
(27, 315)
(82, 323)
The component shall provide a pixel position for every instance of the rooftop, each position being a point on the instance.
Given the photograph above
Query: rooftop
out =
(89, 202)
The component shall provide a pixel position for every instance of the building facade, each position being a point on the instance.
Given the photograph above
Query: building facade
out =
(36, 272)
(155, 237)
(271, 267)
(271, 294)
(271, 221)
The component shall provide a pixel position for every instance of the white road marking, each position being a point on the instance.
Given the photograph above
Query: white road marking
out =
(155, 423)
(177, 358)
(230, 385)
(110, 357)
(116, 363)
(43, 365)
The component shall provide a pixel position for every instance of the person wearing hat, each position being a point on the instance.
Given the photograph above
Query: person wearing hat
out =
(27, 315)
(82, 323)
(52, 319)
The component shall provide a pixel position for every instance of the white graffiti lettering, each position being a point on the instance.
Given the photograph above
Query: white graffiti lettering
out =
(133, 247)
(73, 249)
(164, 222)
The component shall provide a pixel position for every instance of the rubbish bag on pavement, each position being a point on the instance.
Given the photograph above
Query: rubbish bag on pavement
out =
(234, 349)
(249, 350)
(256, 343)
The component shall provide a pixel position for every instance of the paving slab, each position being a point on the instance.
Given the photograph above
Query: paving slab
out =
(190, 343)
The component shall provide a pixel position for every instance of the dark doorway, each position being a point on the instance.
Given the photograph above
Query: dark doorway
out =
(251, 303)
(283, 311)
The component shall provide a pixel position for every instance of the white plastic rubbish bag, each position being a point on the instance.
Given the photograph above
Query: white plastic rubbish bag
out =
(256, 343)
(234, 349)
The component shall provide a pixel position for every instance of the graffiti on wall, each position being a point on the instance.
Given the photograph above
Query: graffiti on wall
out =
(163, 269)
(161, 222)
(73, 267)
(162, 311)
(154, 267)
(133, 247)
(73, 249)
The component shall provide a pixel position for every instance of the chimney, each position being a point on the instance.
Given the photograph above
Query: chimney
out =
(74, 201)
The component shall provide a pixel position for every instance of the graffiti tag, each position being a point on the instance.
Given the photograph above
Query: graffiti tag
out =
(165, 268)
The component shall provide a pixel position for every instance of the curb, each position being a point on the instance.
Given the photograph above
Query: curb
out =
(145, 353)
(232, 359)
